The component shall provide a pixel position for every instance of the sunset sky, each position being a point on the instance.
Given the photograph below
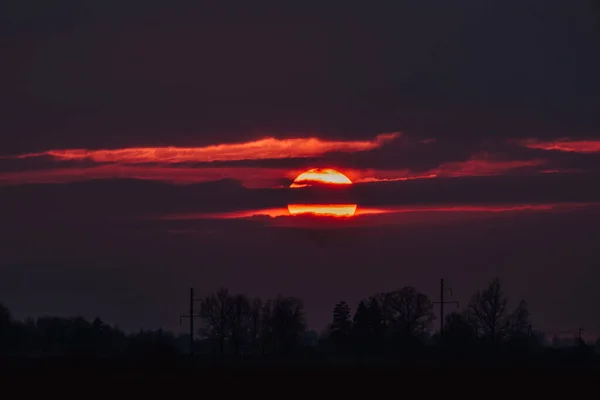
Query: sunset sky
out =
(145, 149)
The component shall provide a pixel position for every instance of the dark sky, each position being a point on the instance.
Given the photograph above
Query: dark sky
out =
(116, 114)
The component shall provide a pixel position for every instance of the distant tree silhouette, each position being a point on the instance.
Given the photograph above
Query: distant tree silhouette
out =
(407, 313)
(519, 320)
(287, 324)
(5, 318)
(361, 324)
(367, 326)
(266, 316)
(5, 329)
(385, 327)
(217, 313)
(458, 330)
(341, 327)
(240, 323)
(155, 346)
(489, 315)
(361, 317)
(376, 319)
(256, 324)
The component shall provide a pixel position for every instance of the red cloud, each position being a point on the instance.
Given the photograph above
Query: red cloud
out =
(474, 167)
(267, 148)
(564, 144)
(255, 176)
(373, 216)
(482, 166)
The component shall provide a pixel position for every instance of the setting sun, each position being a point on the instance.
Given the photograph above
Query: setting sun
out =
(320, 175)
(327, 176)
(333, 210)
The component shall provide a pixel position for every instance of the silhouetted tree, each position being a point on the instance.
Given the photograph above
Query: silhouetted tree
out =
(5, 329)
(361, 327)
(266, 329)
(342, 325)
(256, 325)
(287, 323)
(519, 320)
(488, 308)
(153, 346)
(5, 318)
(376, 318)
(407, 313)
(457, 329)
(240, 323)
(367, 326)
(490, 317)
(278, 327)
(216, 313)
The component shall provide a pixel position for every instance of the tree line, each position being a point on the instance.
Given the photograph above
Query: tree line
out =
(388, 326)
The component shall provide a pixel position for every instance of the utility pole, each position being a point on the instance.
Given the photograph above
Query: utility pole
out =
(441, 303)
(191, 315)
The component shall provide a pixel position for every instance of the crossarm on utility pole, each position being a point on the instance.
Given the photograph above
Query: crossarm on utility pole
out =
(441, 303)
(191, 315)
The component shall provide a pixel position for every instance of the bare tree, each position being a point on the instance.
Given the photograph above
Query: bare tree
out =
(216, 312)
(488, 310)
(255, 324)
(287, 323)
(240, 322)
(408, 312)
(489, 315)
(266, 330)
(519, 320)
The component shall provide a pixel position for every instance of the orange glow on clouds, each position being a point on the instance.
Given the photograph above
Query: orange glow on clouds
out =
(565, 144)
(333, 210)
(255, 177)
(297, 211)
(369, 213)
(408, 177)
(320, 175)
(266, 148)
(479, 166)
(127, 163)
(476, 166)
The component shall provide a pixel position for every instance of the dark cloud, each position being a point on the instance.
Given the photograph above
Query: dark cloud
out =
(410, 152)
(559, 160)
(128, 74)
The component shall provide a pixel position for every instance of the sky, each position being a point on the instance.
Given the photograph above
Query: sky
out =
(146, 148)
